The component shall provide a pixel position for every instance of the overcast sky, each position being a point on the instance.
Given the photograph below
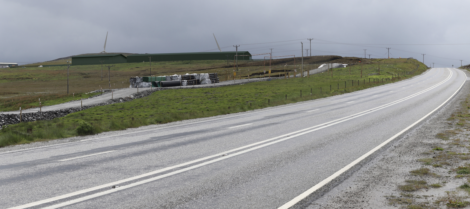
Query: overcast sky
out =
(40, 30)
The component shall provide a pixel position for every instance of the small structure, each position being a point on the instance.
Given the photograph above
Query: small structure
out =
(8, 64)
(242, 55)
(98, 59)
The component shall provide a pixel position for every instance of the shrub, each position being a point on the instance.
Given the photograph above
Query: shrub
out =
(463, 170)
(84, 128)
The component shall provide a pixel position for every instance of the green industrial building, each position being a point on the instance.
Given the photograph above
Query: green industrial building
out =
(98, 59)
(242, 55)
(114, 58)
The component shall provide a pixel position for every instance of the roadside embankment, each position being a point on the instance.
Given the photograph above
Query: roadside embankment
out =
(190, 103)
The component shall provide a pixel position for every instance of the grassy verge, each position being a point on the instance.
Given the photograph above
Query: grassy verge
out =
(180, 104)
(446, 162)
(32, 101)
(29, 81)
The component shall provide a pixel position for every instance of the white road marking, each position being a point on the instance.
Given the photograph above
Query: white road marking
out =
(349, 102)
(358, 160)
(151, 129)
(241, 125)
(312, 110)
(390, 91)
(220, 156)
(84, 156)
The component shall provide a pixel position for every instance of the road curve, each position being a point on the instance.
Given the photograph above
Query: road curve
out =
(258, 159)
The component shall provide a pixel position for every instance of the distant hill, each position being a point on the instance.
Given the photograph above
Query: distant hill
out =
(63, 60)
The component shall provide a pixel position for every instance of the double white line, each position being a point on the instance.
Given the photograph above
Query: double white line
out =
(209, 159)
(338, 173)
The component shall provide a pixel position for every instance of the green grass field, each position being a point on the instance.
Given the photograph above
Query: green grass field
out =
(23, 86)
(180, 104)
(32, 101)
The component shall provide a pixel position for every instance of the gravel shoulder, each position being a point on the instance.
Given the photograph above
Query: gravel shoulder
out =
(427, 168)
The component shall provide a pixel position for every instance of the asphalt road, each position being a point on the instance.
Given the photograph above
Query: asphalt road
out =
(257, 159)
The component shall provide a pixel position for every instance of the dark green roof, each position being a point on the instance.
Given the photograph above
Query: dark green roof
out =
(189, 53)
(99, 55)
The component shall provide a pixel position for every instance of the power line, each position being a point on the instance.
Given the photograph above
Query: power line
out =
(393, 44)
(236, 54)
(310, 39)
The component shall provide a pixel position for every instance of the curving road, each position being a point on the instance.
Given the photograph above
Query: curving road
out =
(275, 157)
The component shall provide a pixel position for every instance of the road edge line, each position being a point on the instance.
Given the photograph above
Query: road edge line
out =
(298, 199)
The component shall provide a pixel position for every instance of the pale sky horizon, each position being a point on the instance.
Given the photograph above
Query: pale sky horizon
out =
(34, 31)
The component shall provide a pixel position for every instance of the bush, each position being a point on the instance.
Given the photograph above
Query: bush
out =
(84, 128)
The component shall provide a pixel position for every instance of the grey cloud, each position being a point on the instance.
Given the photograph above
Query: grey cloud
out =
(42, 30)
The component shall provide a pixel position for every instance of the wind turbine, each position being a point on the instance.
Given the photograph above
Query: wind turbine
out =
(105, 40)
(216, 42)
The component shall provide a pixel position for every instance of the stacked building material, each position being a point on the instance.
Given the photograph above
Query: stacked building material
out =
(214, 78)
(138, 82)
(173, 80)
(191, 82)
(188, 77)
(170, 83)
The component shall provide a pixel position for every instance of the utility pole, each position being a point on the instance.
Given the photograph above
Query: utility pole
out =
(369, 56)
(388, 51)
(379, 66)
(109, 75)
(68, 66)
(307, 51)
(423, 57)
(310, 39)
(460, 63)
(101, 70)
(365, 54)
(236, 54)
(361, 68)
(150, 61)
(302, 60)
(433, 64)
(270, 59)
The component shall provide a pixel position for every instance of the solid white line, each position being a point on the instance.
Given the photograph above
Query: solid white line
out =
(232, 153)
(241, 125)
(312, 110)
(358, 160)
(150, 130)
(349, 102)
(84, 156)
(190, 123)
(390, 91)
